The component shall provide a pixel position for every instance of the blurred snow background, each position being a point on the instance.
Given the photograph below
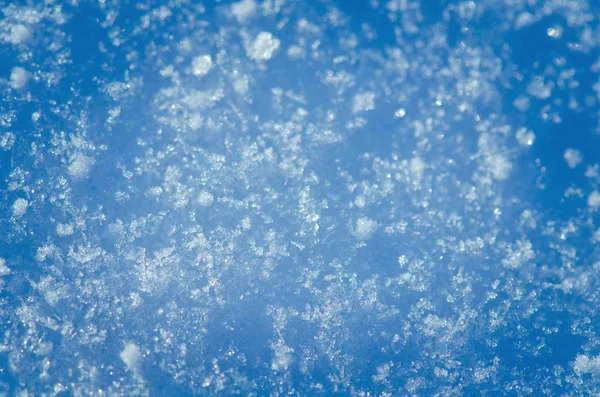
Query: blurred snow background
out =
(277, 197)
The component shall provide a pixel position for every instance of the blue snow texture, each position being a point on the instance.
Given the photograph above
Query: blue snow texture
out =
(299, 198)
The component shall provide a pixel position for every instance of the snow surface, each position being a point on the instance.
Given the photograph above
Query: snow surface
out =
(274, 197)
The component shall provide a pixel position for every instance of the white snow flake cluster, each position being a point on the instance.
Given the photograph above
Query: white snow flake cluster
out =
(270, 197)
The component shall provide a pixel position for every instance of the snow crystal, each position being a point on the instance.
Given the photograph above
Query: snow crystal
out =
(585, 365)
(417, 166)
(555, 32)
(365, 227)
(243, 10)
(18, 78)
(572, 157)
(132, 357)
(7, 140)
(525, 137)
(400, 113)
(522, 103)
(363, 102)
(4, 270)
(283, 357)
(64, 229)
(18, 33)
(539, 89)
(499, 165)
(80, 166)
(19, 207)
(519, 255)
(594, 200)
(201, 65)
(205, 198)
(263, 47)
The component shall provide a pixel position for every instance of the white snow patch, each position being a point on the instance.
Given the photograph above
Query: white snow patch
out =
(282, 357)
(525, 137)
(539, 89)
(499, 165)
(201, 65)
(243, 10)
(263, 47)
(17, 34)
(594, 200)
(19, 207)
(80, 166)
(205, 198)
(522, 103)
(363, 102)
(572, 157)
(18, 77)
(365, 227)
(4, 270)
(132, 357)
(519, 255)
(64, 229)
(585, 365)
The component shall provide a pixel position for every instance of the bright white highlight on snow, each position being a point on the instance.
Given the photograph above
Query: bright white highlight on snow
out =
(364, 228)
(18, 78)
(263, 47)
(525, 137)
(594, 200)
(19, 207)
(363, 102)
(573, 157)
(243, 10)
(132, 357)
(4, 270)
(18, 34)
(80, 166)
(63, 229)
(202, 65)
(205, 198)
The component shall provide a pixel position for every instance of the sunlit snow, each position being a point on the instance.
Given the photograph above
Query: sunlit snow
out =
(275, 197)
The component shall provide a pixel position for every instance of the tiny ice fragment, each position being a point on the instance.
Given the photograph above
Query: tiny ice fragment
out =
(80, 166)
(205, 198)
(18, 78)
(63, 229)
(363, 102)
(201, 65)
(19, 207)
(131, 356)
(4, 270)
(365, 227)
(594, 200)
(525, 137)
(243, 10)
(263, 47)
(572, 157)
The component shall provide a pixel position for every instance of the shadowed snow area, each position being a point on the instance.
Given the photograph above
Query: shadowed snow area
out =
(276, 197)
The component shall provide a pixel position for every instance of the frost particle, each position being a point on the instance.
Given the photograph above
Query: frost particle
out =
(201, 65)
(19, 207)
(572, 157)
(80, 166)
(18, 78)
(363, 102)
(365, 227)
(64, 229)
(263, 47)
(205, 198)
(132, 357)
(4, 270)
(243, 10)
(594, 200)
(525, 137)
